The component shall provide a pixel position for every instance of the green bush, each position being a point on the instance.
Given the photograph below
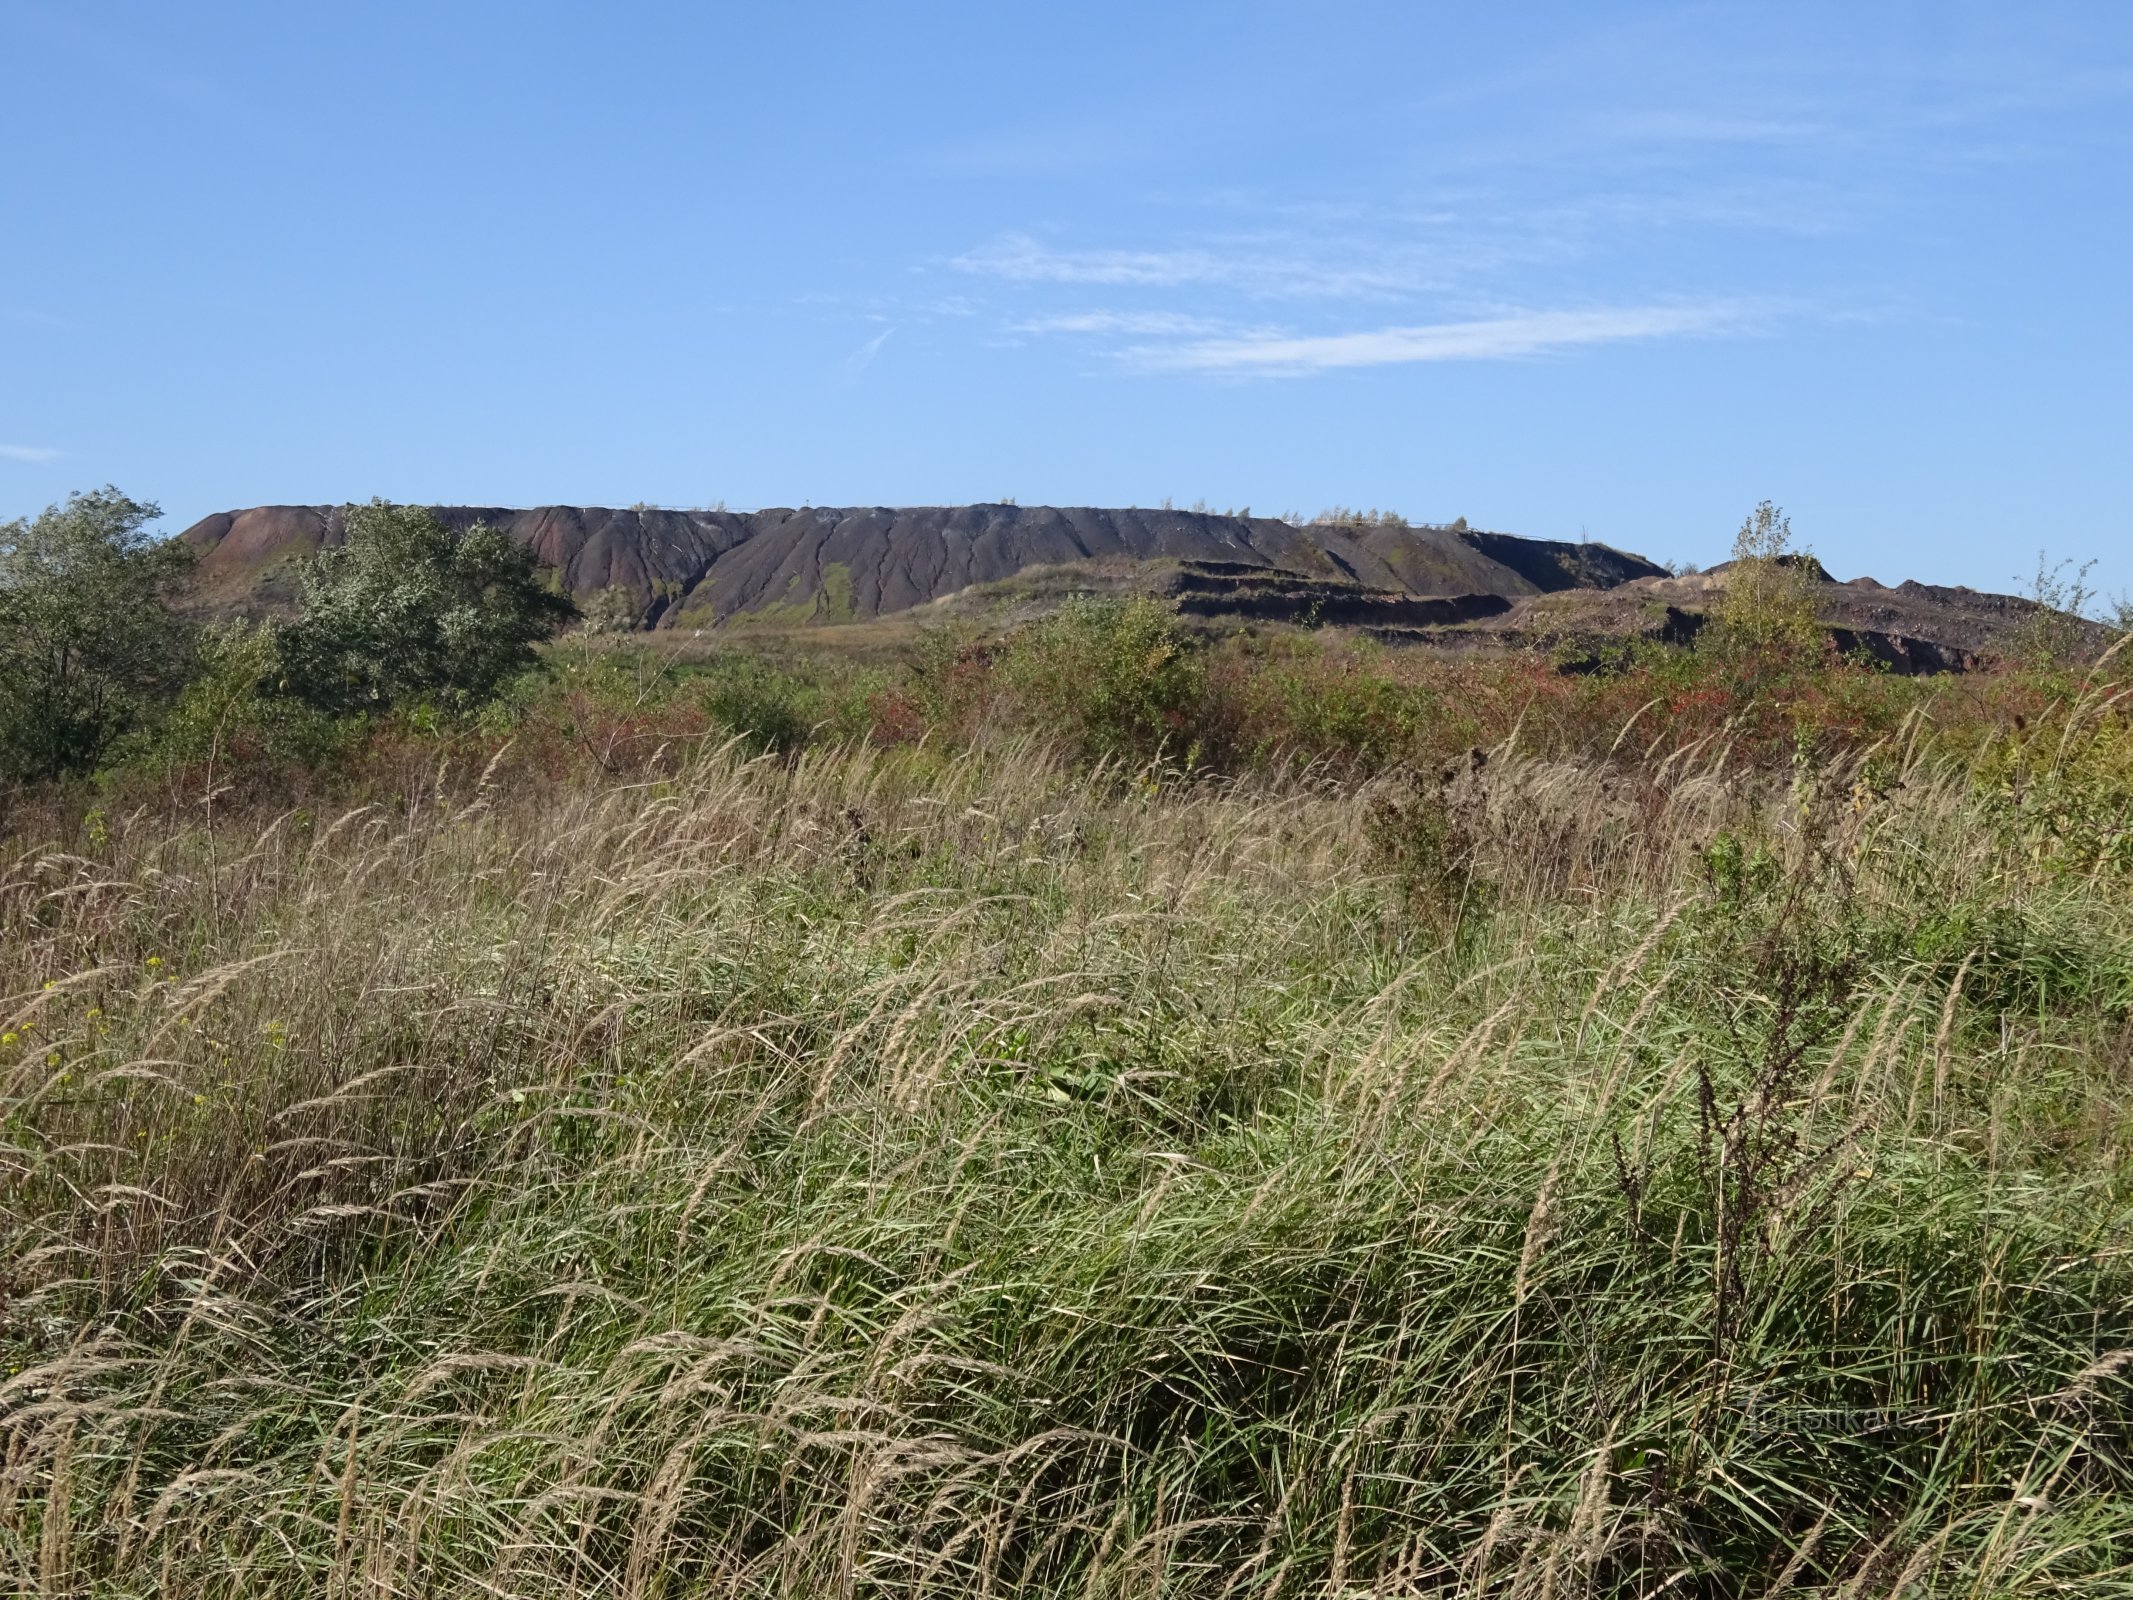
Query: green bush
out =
(1768, 611)
(771, 710)
(407, 609)
(89, 648)
(1117, 678)
(2056, 637)
(230, 713)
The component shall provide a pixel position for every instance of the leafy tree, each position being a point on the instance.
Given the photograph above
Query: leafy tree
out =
(89, 646)
(407, 609)
(1769, 603)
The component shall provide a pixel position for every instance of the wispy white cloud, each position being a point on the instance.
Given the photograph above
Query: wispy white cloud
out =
(35, 454)
(1261, 266)
(1529, 333)
(859, 360)
(1021, 259)
(1144, 323)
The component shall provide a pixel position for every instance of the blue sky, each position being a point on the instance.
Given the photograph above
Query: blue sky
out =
(1619, 270)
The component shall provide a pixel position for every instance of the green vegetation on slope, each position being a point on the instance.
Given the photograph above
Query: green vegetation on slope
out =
(96, 666)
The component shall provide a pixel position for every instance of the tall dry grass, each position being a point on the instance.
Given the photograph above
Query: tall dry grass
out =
(874, 1174)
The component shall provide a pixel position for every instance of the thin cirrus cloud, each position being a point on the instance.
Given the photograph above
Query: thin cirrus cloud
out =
(33, 454)
(1144, 323)
(853, 365)
(1503, 338)
(1018, 258)
(1253, 266)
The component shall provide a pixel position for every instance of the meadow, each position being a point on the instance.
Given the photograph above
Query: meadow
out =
(1096, 1117)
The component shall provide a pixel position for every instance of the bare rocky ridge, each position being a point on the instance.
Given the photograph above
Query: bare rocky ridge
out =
(701, 568)
(1447, 587)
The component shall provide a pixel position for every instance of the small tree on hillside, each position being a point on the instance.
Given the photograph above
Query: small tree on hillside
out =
(1769, 603)
(88, 644)
(407, 609)
(2056, 634)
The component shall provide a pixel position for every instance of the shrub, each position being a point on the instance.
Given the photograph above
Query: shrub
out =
(88, 645)
(229, 714)
(612, 610)
(2056, 635)
(1426, 834)
(408, 609)
(1119, 678)
(1769, 605)
(767, 707)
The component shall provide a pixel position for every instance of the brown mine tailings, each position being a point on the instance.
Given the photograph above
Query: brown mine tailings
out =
(694, 569)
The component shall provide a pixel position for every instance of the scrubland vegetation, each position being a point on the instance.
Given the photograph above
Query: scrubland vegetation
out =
(1090, 1113)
